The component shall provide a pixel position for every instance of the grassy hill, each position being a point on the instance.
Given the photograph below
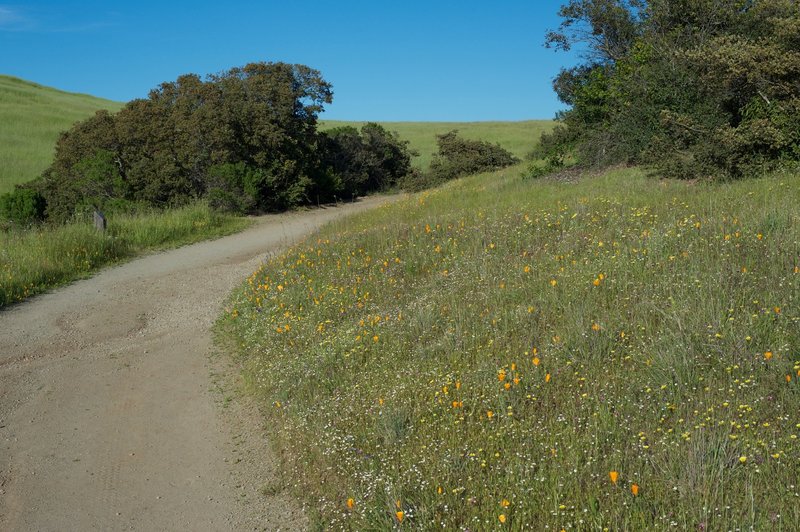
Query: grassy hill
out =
(31, 117)
(503, 353)
(517, 137)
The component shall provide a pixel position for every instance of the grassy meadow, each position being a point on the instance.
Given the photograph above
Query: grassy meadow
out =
(31, 118)
(619, 353)
(35, 260)
(517, 137)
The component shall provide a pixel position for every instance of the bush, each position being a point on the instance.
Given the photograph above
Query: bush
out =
(417, 180)
(369, 160)
(22, 206)
(459, 157)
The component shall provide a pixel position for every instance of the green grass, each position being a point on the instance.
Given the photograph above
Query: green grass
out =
(36, 260)
(494, 349)
(516, 137)
(31, 118)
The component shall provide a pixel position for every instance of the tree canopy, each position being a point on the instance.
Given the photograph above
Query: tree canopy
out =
(698, 88)
(246, 139)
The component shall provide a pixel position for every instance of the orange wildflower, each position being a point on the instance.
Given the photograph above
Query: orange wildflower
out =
(613, 475)
(350, 503)
(635, 489)
(547, 378)
(768, 355)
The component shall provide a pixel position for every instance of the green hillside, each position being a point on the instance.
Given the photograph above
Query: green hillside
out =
(31, 117)
(510, 353)
(517, 137)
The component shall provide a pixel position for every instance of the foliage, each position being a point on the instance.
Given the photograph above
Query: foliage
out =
(515, 136)
(160, 150)
(372, 159)
(417, 180)
(22, 206)
(567, 356)
(246, 139)
(459, 157)
(699, 89)
(233, 187)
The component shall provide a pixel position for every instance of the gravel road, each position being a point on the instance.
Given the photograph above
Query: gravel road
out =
(114, 415)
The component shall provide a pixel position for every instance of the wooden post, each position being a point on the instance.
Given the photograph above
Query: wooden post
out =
(99, 221)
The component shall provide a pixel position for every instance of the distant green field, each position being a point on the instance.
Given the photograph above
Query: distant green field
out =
(517, 137)
(31, 117)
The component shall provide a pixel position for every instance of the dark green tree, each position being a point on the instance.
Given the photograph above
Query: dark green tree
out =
(367, 160)
(160, 150)
(701, 88)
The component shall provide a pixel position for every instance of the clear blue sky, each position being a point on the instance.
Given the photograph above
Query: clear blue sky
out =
(411, 60)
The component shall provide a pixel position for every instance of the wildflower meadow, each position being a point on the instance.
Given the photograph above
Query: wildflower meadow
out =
(617, 353)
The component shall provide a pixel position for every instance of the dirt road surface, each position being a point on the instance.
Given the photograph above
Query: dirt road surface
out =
(110, 415)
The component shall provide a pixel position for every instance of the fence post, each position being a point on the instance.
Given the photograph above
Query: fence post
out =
(99, 221)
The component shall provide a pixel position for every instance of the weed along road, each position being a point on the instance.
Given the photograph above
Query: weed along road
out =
(109, 415)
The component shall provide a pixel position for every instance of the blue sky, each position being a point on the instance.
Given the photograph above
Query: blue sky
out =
(411, 60)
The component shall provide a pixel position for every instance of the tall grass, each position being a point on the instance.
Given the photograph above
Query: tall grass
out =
(621, 353)
(31, 118)
(33, 261)
(516, 137)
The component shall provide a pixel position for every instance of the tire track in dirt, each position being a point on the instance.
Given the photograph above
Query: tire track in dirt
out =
(108, 420)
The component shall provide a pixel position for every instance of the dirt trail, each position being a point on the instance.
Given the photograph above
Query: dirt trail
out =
(108, 415)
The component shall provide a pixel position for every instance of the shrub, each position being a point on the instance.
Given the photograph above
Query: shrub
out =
(417, 180)
(22, 206)
(459, 157)
(369, 160)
